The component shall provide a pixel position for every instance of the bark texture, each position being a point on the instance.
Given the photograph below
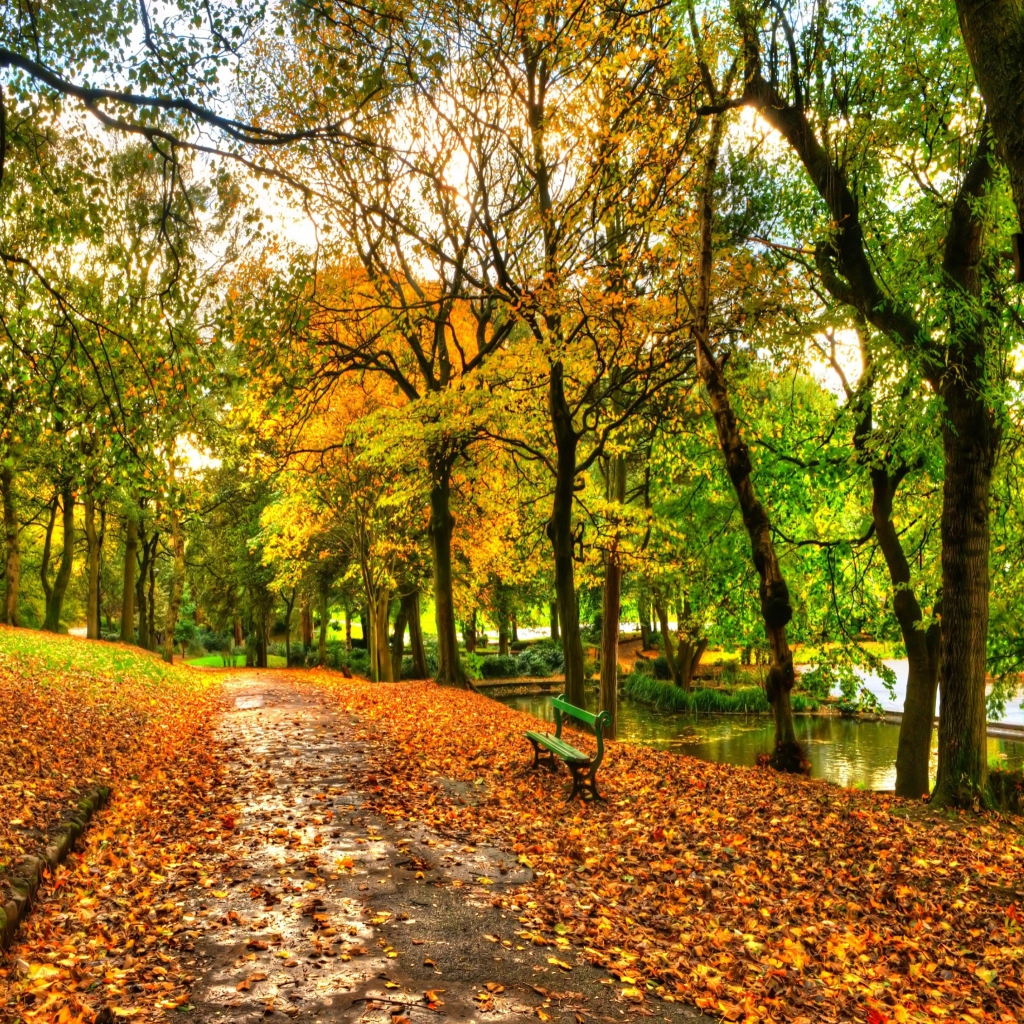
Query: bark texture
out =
(411, 603)
(611, 604)
(969, 442)
(55, 592)
(177, 585)
(921, 644)
(449, 668)
(559, 530)
(131, 547)
(12, 554)
(306, 624)
(92, 565)
(993, 32)
(398, 641)
(322, 640)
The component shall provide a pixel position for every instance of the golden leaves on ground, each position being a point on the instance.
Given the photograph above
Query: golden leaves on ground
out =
(107, 926)
(754, 895)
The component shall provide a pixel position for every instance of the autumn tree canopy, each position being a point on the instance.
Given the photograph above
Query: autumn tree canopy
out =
(391, 327)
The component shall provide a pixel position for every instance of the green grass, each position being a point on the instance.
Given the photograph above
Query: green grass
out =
(216, 661)
(56, 653)
(666, 697)
(646, 689)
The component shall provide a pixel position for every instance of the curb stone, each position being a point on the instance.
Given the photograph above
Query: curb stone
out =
(27, 876)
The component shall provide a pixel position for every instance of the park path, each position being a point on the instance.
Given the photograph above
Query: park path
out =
(318, 910)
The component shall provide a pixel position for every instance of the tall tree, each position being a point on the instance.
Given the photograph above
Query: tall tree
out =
(786, 84)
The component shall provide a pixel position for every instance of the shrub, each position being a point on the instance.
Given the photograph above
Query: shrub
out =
(431, 664)
(537, 663)
(501, 666)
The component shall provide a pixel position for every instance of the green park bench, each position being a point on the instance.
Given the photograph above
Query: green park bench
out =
(582, 765)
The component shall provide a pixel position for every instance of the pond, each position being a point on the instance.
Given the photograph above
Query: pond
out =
(846, 751)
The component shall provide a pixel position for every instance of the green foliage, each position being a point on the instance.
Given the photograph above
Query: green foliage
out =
(666, 697)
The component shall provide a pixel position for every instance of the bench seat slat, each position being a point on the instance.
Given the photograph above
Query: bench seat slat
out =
(564, 750)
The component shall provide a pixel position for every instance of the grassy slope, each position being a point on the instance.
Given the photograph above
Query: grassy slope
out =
(216, 661)
(76, 712)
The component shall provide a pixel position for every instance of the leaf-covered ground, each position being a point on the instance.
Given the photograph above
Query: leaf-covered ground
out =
(755, 896)
(74, 713)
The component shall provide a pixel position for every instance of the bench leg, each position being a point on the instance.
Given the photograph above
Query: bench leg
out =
(581, 783)
(547, 761)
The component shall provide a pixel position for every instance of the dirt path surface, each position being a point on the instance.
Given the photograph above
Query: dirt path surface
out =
(320, 911)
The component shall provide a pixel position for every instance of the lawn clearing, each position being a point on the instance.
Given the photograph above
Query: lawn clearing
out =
(754, 895)
(238, 661)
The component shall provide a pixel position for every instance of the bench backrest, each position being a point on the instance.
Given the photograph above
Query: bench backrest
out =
(599, 722)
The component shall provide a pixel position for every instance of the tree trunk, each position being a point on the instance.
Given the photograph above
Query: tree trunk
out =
(322, 645)
(922, 645)
(611, 605)
(289, 606)
(380, 652)
(661, 610)
(643, 611)
(967, 445)
(153, 639)
(92, 539)
(258, 654)
(775, 607)
(261, 640)
(44, 562)
(239, 637)
(515, 627)
(398, 641)
(553, 620)
(348, 627)
(470, 632)
(688, 658)
(442, 523)
(140, 586)
(12, 555)
(55, 601)
(993, 32)
(559, 530)
(502, 635)
(306, 617)
(419, 654)
(177, 585)
(969, 442)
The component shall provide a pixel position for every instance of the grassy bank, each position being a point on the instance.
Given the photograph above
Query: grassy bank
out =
(75, 713)
(743, 700)
(238, 661)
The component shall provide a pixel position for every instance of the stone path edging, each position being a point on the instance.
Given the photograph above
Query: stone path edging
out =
(27, 876)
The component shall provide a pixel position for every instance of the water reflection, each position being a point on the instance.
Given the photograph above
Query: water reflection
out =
(845, 751)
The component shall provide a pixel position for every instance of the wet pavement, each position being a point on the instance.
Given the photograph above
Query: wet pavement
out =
(318, 910)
